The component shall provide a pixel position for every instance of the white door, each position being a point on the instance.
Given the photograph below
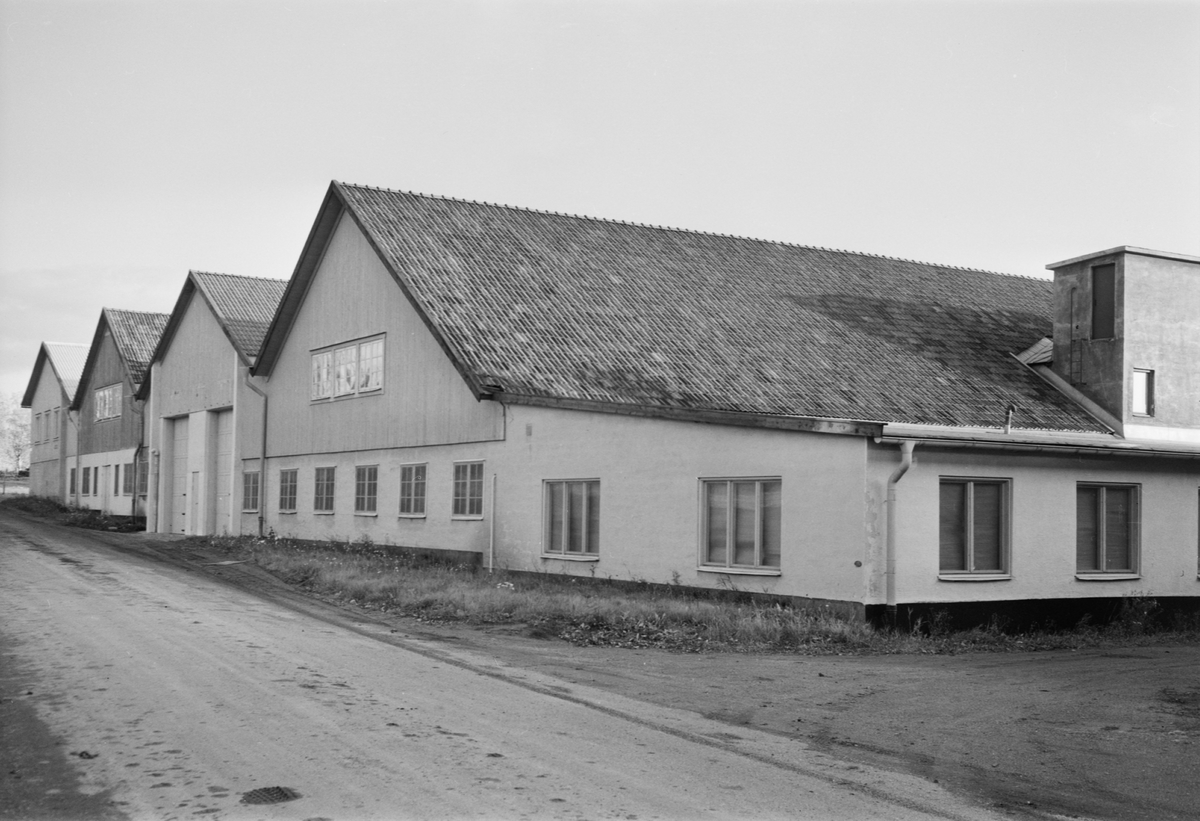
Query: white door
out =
(222, 468)
(179, 475)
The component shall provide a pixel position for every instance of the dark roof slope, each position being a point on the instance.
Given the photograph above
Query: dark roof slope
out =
(136, 335)
(243, 305)
(568, 308)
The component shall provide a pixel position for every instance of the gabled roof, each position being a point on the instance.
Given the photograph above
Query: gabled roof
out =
(242, 306)
(135, 334)
(66, 360)
(551, 308)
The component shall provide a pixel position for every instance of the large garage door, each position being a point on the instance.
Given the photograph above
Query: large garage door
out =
(223, 470)
(179, 475)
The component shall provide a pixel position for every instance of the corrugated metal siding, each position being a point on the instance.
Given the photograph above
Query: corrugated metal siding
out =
(424, 399)
(198, 368)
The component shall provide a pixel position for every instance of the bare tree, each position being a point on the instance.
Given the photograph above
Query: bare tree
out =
(14, 433)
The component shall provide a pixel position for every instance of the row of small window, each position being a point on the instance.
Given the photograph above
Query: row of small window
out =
(107, 402)
(974, 527)
(46, 426)
(125, 480)
(467, 489)
(741, 517)
(347, 370)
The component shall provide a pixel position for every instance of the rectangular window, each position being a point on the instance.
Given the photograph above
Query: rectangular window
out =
(1107, 528)
(250, 486)
(322, 375)
(1104, 301)
(741, 523)
(573, 518)
(973, 526)
(348, 370)
(129, 478)
(108, 402)
(87, 481)
(366, 488)
(71, 485)
(116, 480)
(143, 475)
(412, 490)
(96, 481)
(287, 491)
(54, 432)
(323, 492)
(468, 489)
(1143, 392)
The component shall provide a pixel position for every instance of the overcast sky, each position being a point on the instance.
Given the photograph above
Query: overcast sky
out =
(139, 140)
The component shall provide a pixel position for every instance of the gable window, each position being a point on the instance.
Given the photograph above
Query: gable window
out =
(250, 488)
(348, 370)
(128, 475)
(468, 490)
(412, 490)
(323, 492)
(1143, 392)
(973, 527)
(287, 491)
(572, 518)
(1104, 301)
(87, 481)
(1107, 529)
(366, 488)
(740, 524)
(108, 402)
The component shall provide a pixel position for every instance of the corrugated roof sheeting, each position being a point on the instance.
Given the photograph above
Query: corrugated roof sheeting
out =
(245, 305)
(576, 308)
(69, 359)
(136, 335)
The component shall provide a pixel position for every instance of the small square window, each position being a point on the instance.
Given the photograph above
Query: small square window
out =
(468, 489)
(973, 526)
(412, 490)
(1143, 392)
(740, 524)
(250, 488)
(287, 491)
(323, 491)
(366, 488)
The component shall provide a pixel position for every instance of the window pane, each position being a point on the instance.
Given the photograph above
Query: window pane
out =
(128, 476)
(418, 489)
(575, 523)
(593, 517)
(771, 514)
(345, 361)
(717, 524)
(952, 526)
(1117, 520)
(554, 505)
(321, 385)
(1087, 505)
(460, 490)
(1104, 292)
(746, 500)
(986, 543)
(370, 365)
(476, 490)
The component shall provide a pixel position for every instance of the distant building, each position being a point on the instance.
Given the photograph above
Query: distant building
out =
(52, 433)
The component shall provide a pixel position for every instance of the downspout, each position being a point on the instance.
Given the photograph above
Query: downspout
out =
(262, 456)
(906, 460)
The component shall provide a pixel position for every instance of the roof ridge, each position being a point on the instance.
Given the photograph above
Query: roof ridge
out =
(234, 276)
(675, 229)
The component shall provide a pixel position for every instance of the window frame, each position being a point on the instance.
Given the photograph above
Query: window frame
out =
(117, 479)
(337, 371)
(469, 485)
(366, 490)
(412, 482)
(86, 486)
(588, 552)
(969, 573)
(1099, 548)
(324, 482)
(294, 484)
(71, 483)
(109, 400)
(1147, 391)
(251, 491)
(730, 566)
(129, 479)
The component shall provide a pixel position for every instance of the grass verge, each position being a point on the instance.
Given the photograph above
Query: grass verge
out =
(583, 611)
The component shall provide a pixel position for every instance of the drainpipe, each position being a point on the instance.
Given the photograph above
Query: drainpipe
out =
(262, 457)
(906, 460)
(152, 482)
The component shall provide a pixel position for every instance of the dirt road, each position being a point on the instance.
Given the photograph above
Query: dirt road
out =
(162, 692)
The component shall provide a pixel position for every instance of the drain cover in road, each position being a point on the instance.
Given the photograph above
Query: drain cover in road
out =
(270, 795)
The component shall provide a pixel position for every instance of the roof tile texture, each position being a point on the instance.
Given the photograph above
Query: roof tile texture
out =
(577, 308)
(245, 305)
(136, 334)
(68, 359)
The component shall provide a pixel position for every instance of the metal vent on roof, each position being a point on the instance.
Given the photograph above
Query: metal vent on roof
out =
(270, 795)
